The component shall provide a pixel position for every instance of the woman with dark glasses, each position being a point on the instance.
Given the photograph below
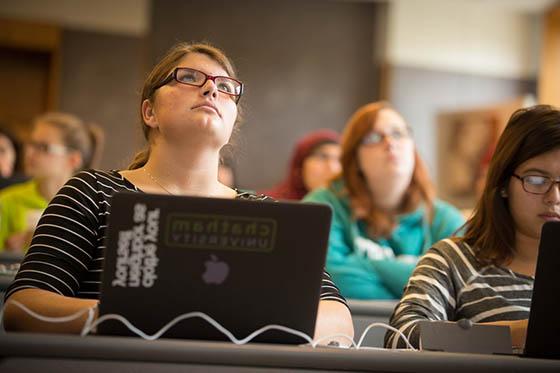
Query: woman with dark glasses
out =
(60, 144)
(487, 276)
(189, 109)
(385, 214)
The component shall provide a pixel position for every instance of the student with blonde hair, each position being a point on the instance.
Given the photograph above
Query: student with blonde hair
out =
(189, 108)
(60, 144)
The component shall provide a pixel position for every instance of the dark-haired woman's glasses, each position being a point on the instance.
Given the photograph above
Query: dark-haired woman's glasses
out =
(224, 84)
(537, 184)
(373, 137)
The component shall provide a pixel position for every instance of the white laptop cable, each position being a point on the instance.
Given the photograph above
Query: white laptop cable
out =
(91, 325)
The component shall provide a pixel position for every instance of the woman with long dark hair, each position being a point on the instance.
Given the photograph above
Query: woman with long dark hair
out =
(487, 275)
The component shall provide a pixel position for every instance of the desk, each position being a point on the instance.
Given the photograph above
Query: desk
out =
(365, 312)
(7, 257)
(5, 281)
(22, 352)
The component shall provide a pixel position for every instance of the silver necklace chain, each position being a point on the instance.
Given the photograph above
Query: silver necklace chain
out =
(157, 182)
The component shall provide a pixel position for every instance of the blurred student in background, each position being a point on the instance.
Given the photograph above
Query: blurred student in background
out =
(315, 161)
(60, 144)
(385, 215)
(10, 154)
(487, 276)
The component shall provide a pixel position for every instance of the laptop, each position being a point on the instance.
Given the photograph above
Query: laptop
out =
(246, 264)
(543, 330)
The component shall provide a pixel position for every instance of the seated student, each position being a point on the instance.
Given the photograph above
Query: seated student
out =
(384, 211)
(188, 111)
(487, 276)
(60, 145)
(10, 154)
(315, 161)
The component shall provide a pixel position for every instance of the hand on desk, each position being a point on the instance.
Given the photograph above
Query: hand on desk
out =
(333, 318)
(518, 329)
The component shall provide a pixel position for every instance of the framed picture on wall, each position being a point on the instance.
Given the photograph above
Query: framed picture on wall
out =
(466, 142)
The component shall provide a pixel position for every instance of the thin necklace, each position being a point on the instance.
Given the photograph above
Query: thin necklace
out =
(157, 182)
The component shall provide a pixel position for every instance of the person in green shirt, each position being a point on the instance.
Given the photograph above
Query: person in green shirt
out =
(385, 214)
(60, 144)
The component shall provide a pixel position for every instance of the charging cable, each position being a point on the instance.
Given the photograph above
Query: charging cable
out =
(90, 325)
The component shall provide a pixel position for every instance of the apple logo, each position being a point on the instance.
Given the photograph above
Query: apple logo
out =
(216, 271)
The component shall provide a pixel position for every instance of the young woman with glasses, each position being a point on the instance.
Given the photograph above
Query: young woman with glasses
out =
(60, 144)
(384, 211)
(487, 275)
(189, 109)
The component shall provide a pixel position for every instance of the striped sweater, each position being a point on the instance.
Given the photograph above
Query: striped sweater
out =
(67, 250)
(449, 283)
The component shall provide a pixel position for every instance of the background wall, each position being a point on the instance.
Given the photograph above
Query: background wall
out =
(307, 64)
(102, 63)
(130, 17)
(101, 79)
(450, 55)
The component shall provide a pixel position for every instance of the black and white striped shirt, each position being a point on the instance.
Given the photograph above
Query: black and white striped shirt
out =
(449, 283)
(67, 250)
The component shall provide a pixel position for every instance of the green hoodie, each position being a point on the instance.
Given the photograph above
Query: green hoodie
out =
(365, 268)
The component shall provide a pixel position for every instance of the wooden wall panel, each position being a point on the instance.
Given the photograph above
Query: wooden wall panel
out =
(549, 75)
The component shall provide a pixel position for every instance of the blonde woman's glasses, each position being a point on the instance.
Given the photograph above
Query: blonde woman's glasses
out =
(225, 84)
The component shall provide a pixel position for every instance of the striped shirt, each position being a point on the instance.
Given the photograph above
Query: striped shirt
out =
(67, 250)
(449, 283)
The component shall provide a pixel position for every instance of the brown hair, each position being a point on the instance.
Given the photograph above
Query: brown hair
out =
(380, 223)
(162, 70)
(529, 132)
(87, 139)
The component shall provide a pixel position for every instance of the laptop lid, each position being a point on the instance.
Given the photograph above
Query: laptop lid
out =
(544, 326)
(246, 264)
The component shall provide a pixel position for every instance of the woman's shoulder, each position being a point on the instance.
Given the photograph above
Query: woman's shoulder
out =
(444, 207)
(18, 189)
(100, 183)
(251, 195)
(455, 252)
(447, 219)
(332, 194)
(111, 179)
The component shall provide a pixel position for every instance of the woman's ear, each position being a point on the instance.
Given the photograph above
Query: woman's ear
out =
(148, 114)
(75, 160)
(503, 193)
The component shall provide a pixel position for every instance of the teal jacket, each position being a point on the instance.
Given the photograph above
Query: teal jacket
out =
(364, 268)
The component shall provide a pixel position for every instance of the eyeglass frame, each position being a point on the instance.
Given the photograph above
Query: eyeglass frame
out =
(552, 183)
(383, 136)
(46, 148)
(173, 76)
